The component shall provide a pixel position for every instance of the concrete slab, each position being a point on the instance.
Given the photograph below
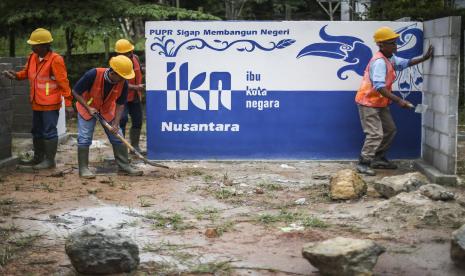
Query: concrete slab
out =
(434, 175)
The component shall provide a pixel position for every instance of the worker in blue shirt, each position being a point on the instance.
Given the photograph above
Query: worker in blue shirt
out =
(103, 90)
(373, 99)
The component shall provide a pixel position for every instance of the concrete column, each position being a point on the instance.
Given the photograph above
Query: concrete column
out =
(441, 94)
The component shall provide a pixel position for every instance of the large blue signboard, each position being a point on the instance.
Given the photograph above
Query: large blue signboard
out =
(269, 90)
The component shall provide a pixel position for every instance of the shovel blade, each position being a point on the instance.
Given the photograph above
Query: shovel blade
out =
(421, 108)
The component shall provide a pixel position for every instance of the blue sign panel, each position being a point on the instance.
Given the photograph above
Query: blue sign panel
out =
(269, 90)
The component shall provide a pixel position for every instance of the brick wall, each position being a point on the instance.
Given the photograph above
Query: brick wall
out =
(441, 94)
(6, 118)
(21, 108)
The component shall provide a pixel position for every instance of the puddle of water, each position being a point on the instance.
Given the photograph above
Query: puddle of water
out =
(126, 220)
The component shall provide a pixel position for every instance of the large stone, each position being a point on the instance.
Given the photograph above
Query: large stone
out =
(416, 210)
(343, 256)
(96, 250)
(457, 246)
(390, 186)
(436, 192)
(347, 184)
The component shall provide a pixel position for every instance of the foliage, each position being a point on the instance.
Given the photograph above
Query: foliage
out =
(415, 9)
(85, 21)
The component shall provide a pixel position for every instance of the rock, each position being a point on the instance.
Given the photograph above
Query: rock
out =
(96, 250)
(343, 256)
(415, 209)
(211, 233)
(259, 191)
(390, 186)
(457, 246)
(347, 184)
(300, 201)
(436, 192)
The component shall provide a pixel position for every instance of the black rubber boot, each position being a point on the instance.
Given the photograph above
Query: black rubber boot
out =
(38, 147)
(363, 167)
(381, 162)
(134, 137)
(121, 158)
(83, 161)
(50, 150)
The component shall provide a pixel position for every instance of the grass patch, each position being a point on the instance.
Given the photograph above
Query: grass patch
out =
(208, 213)
(312, 222)
(271, 186)
(216, 268)
(170, 249)
(194, 188)
(286, 216)
(143, 202)
(224, 193)
(47, 187)
(224, 227)
(170, 221)
(8, 206)
(194, 172)
(207, 178)
(10, 247)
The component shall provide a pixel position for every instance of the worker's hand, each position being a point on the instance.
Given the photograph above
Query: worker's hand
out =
(140, 87)
(9, 74)
(92, 110)
(405, 104)
(114, 127)
(429, 53)
(69, 112)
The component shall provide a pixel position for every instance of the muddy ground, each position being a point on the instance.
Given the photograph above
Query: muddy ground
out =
(205, 218)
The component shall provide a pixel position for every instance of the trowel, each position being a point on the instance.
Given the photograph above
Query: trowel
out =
(420, 108)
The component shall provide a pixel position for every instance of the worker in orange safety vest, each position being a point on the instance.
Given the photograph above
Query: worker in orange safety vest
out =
(48, 81)
(373, 99)
(104, 91)
(133, 106)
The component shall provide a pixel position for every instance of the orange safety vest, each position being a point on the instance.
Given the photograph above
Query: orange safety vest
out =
(44, 89)
(94, 98)
(367, 94)
(136, 80)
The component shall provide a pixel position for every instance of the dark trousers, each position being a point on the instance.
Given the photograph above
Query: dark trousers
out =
(134, 109)
(44, 124)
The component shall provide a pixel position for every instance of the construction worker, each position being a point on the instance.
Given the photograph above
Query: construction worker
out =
(104, 91)
(48, 81)
(373, 99)
(135, 88)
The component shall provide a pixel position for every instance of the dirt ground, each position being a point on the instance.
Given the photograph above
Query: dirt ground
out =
(204, 218)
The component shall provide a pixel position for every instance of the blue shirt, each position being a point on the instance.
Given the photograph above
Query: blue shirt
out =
(378, 70)
(85, 84)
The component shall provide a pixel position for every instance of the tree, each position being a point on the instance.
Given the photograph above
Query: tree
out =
(85, 20)
(415, 9)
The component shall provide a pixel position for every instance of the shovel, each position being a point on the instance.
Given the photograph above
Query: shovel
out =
(106, 125)
(420, 108)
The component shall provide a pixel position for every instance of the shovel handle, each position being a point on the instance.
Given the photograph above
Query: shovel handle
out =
(128, 145)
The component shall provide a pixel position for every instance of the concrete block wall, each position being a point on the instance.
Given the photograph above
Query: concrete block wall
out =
(441, 94)
(6, 118)
(22, 111)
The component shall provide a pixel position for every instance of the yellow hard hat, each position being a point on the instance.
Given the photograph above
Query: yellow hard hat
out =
(384, 33)
(123, 66)
(123, 46)
(40, 36)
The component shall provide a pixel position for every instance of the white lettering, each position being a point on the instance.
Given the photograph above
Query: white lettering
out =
(261, 105)
(210, 127)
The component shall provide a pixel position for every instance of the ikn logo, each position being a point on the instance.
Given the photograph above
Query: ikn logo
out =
(188, 91)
